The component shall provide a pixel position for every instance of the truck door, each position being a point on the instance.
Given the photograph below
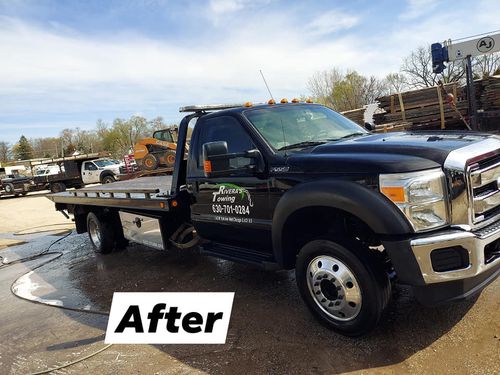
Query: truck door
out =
(90, 173)
(233, 210)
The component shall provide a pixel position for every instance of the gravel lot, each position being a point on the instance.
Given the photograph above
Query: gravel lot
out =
(271, 330)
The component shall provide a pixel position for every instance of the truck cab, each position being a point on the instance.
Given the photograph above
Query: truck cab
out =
(102, 171)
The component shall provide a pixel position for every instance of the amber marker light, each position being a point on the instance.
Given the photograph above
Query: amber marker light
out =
(295, 100)
(175, 203)
(309, 100)
(394, 193)
(284, 100)
(247, 104)
(207, 166)
(271, 102)
(162, 205)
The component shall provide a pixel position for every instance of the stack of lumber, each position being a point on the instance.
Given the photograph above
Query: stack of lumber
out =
(490, 93)
(429, 109)
(356, 115)
(422, 109)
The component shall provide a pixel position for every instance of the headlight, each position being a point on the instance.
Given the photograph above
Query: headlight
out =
(420, 196)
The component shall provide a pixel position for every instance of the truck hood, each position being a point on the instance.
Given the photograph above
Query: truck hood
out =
(383, 153)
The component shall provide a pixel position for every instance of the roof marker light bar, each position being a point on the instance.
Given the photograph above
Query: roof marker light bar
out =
(209, 107)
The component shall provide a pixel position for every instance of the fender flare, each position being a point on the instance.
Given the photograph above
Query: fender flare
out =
(371, 207)
(105, 173)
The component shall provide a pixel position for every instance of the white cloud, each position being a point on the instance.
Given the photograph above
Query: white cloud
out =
(37, 62)
(227, 6)
(417, 8)
(330, 22)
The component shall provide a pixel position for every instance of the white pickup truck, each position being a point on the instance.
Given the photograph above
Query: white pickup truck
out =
(101, 171)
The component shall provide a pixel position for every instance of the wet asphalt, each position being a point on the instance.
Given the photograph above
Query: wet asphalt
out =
(271, 330)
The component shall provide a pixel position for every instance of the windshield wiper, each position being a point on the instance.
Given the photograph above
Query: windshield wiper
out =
(348, 136)
(301, 144)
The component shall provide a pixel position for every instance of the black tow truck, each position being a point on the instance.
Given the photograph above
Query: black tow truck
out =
(298, 186)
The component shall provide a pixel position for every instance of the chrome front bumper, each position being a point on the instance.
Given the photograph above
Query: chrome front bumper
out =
(473, 242)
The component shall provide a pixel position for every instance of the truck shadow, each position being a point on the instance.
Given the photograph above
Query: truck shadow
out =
(271, 330)
(33, 194)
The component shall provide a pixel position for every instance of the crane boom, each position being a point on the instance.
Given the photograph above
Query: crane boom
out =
(449, 51)
(473, 47)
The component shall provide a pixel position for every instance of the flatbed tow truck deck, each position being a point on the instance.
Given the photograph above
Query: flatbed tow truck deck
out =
(152, 193)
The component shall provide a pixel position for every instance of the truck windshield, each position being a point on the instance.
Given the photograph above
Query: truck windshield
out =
(300, 126)
(103, 163)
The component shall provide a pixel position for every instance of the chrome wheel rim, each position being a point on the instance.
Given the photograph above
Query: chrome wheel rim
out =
(94, 233)
(334, 288)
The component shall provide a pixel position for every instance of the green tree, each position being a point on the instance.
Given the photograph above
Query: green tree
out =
(23, 150)
(345, 91)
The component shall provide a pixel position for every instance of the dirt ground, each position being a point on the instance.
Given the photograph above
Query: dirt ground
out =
(271, 330)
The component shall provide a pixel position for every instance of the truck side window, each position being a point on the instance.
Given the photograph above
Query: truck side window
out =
(90, 167)
(226, 128)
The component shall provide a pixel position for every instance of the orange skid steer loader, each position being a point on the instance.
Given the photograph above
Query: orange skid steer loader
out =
(151, 153)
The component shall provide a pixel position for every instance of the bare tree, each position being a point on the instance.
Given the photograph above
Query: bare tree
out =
(396, 82)
(46, 147)
(321, 85)
(4, 152)
(486, 65)
(417, 67)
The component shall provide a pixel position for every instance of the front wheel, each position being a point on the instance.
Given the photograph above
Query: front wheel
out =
(150, 162)
(108, 179)
(344, 287)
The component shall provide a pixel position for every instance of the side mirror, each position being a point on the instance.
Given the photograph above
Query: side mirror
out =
(216, 160)
(369, 126)
(214, 157)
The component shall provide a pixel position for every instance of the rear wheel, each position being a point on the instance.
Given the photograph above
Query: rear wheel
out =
(150, 162)
(101, 234)
(9, 188)
(345, 287)
(57, 187)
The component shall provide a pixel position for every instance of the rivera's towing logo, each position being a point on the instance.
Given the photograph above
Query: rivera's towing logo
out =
(227, 193)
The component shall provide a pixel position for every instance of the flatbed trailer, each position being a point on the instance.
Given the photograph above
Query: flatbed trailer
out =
(298, 186)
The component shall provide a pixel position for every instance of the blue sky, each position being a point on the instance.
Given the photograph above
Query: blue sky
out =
(67, 63)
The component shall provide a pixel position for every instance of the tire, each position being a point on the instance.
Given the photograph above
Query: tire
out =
(24, 193)
(150, 162)
(170, 158)
(57, 187)
(345, 287)
(107, 179)
(9, 188)
(101, 234)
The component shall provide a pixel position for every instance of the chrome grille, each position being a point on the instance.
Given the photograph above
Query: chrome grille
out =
(485, 189)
